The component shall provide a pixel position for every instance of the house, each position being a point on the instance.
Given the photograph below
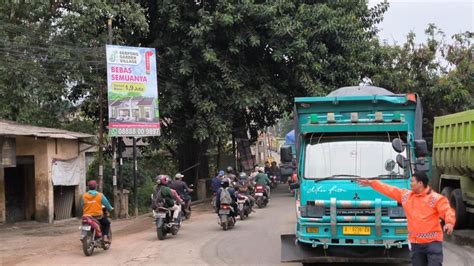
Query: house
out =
(42, 172)
(133, 109)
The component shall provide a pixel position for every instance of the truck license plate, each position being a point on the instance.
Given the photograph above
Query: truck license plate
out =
(356, 230)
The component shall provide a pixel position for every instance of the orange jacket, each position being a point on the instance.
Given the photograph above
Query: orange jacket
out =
(422, 210)
(92, 204)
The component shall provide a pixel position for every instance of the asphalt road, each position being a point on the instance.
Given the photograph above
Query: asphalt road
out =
(201, 241)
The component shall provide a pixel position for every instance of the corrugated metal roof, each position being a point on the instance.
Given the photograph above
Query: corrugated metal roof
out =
(11, 128)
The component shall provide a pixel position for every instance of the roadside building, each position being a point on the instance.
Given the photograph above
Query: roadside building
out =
(42, 172)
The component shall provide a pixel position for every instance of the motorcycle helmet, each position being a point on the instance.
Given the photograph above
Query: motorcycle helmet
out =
(229, 169)
(243, 176)
(161, 179)
(221, 173)
(261, 169)
(225, 182)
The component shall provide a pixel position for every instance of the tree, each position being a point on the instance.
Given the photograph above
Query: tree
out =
(53, 57)
(226, 67)
(439, 72)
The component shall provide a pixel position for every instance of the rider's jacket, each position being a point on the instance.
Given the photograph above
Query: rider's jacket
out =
(92, 202)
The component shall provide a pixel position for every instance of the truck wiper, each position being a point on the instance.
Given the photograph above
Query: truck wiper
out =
(333, 176)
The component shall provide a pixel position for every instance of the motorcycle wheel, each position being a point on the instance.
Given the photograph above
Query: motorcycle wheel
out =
(161, 233)
(225, 226)
(259, 203)
(106, 246)
(88, 244)
(188, 213)
(242, 215)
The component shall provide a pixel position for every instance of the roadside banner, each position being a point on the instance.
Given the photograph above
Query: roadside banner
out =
(132, 91)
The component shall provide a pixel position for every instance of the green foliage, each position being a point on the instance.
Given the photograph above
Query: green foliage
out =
(150, 165)
(235, 66)
(441, 73)
(52, 56)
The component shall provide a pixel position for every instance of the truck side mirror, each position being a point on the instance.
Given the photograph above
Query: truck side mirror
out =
(286, 154)
(402, 161)
(398, 145)
(421, 149)
(422, 165)
(295, 185)
(389, 165)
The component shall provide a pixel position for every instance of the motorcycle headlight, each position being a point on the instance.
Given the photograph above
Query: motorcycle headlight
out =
(396, 212)
(312, 211)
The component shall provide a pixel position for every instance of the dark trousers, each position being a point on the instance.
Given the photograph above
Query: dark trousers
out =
(429, 254)
(105, 225)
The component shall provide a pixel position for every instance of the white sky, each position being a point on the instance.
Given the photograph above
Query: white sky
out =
(404, 16)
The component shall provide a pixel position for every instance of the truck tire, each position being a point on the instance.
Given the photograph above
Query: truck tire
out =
(458, 204)
(447, 193)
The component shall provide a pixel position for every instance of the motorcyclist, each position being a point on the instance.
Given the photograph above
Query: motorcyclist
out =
(230, 174)
(216, 182)
(267, 169)
(276, 171)
(225, 188)
(254, 173)
(245, 187)
(262, 179)
(181, 188)
(91, 205)
(169, 198)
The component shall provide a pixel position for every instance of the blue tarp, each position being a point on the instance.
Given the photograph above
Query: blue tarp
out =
(290, 138)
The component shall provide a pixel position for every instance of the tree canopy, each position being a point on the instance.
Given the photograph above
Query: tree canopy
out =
(225, 68)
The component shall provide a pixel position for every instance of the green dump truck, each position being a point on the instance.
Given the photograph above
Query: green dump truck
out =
(453, 163)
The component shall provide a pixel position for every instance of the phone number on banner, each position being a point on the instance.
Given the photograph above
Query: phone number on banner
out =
(124, 132)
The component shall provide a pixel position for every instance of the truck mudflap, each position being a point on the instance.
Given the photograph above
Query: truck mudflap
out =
(293, 251)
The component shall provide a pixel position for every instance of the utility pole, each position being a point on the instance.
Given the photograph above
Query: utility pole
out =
(101, 134)
(135, 169)
(114, 161)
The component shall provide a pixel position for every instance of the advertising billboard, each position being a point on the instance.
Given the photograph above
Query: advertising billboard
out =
(132, 91)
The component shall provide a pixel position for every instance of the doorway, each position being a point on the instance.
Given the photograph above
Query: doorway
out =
(20, 190)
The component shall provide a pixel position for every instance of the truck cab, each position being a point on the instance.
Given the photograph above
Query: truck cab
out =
(339, 139)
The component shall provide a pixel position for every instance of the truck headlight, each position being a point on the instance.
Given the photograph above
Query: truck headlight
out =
(312, 211)
(396, 212)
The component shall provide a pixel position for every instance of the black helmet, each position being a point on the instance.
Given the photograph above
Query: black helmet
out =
(225, 182)
(229, 169)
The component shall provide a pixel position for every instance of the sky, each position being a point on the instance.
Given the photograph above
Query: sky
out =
(404, 16)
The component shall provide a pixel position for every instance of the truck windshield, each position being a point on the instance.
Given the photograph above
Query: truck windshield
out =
(351, 159)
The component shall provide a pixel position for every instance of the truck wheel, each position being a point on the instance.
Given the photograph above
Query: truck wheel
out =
(458, 204)
(447, 193)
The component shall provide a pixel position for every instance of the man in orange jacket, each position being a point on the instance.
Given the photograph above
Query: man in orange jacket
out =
(91, 204)
(423, 208)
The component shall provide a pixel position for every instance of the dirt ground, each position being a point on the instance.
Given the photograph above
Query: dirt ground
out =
(21, 242)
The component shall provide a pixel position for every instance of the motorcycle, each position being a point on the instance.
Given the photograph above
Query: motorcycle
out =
(163, 219)
(91, 235)
(164, 222)
(261, 198)
(274, 181)
(244, 206)
(226, 220)
(291, 180)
